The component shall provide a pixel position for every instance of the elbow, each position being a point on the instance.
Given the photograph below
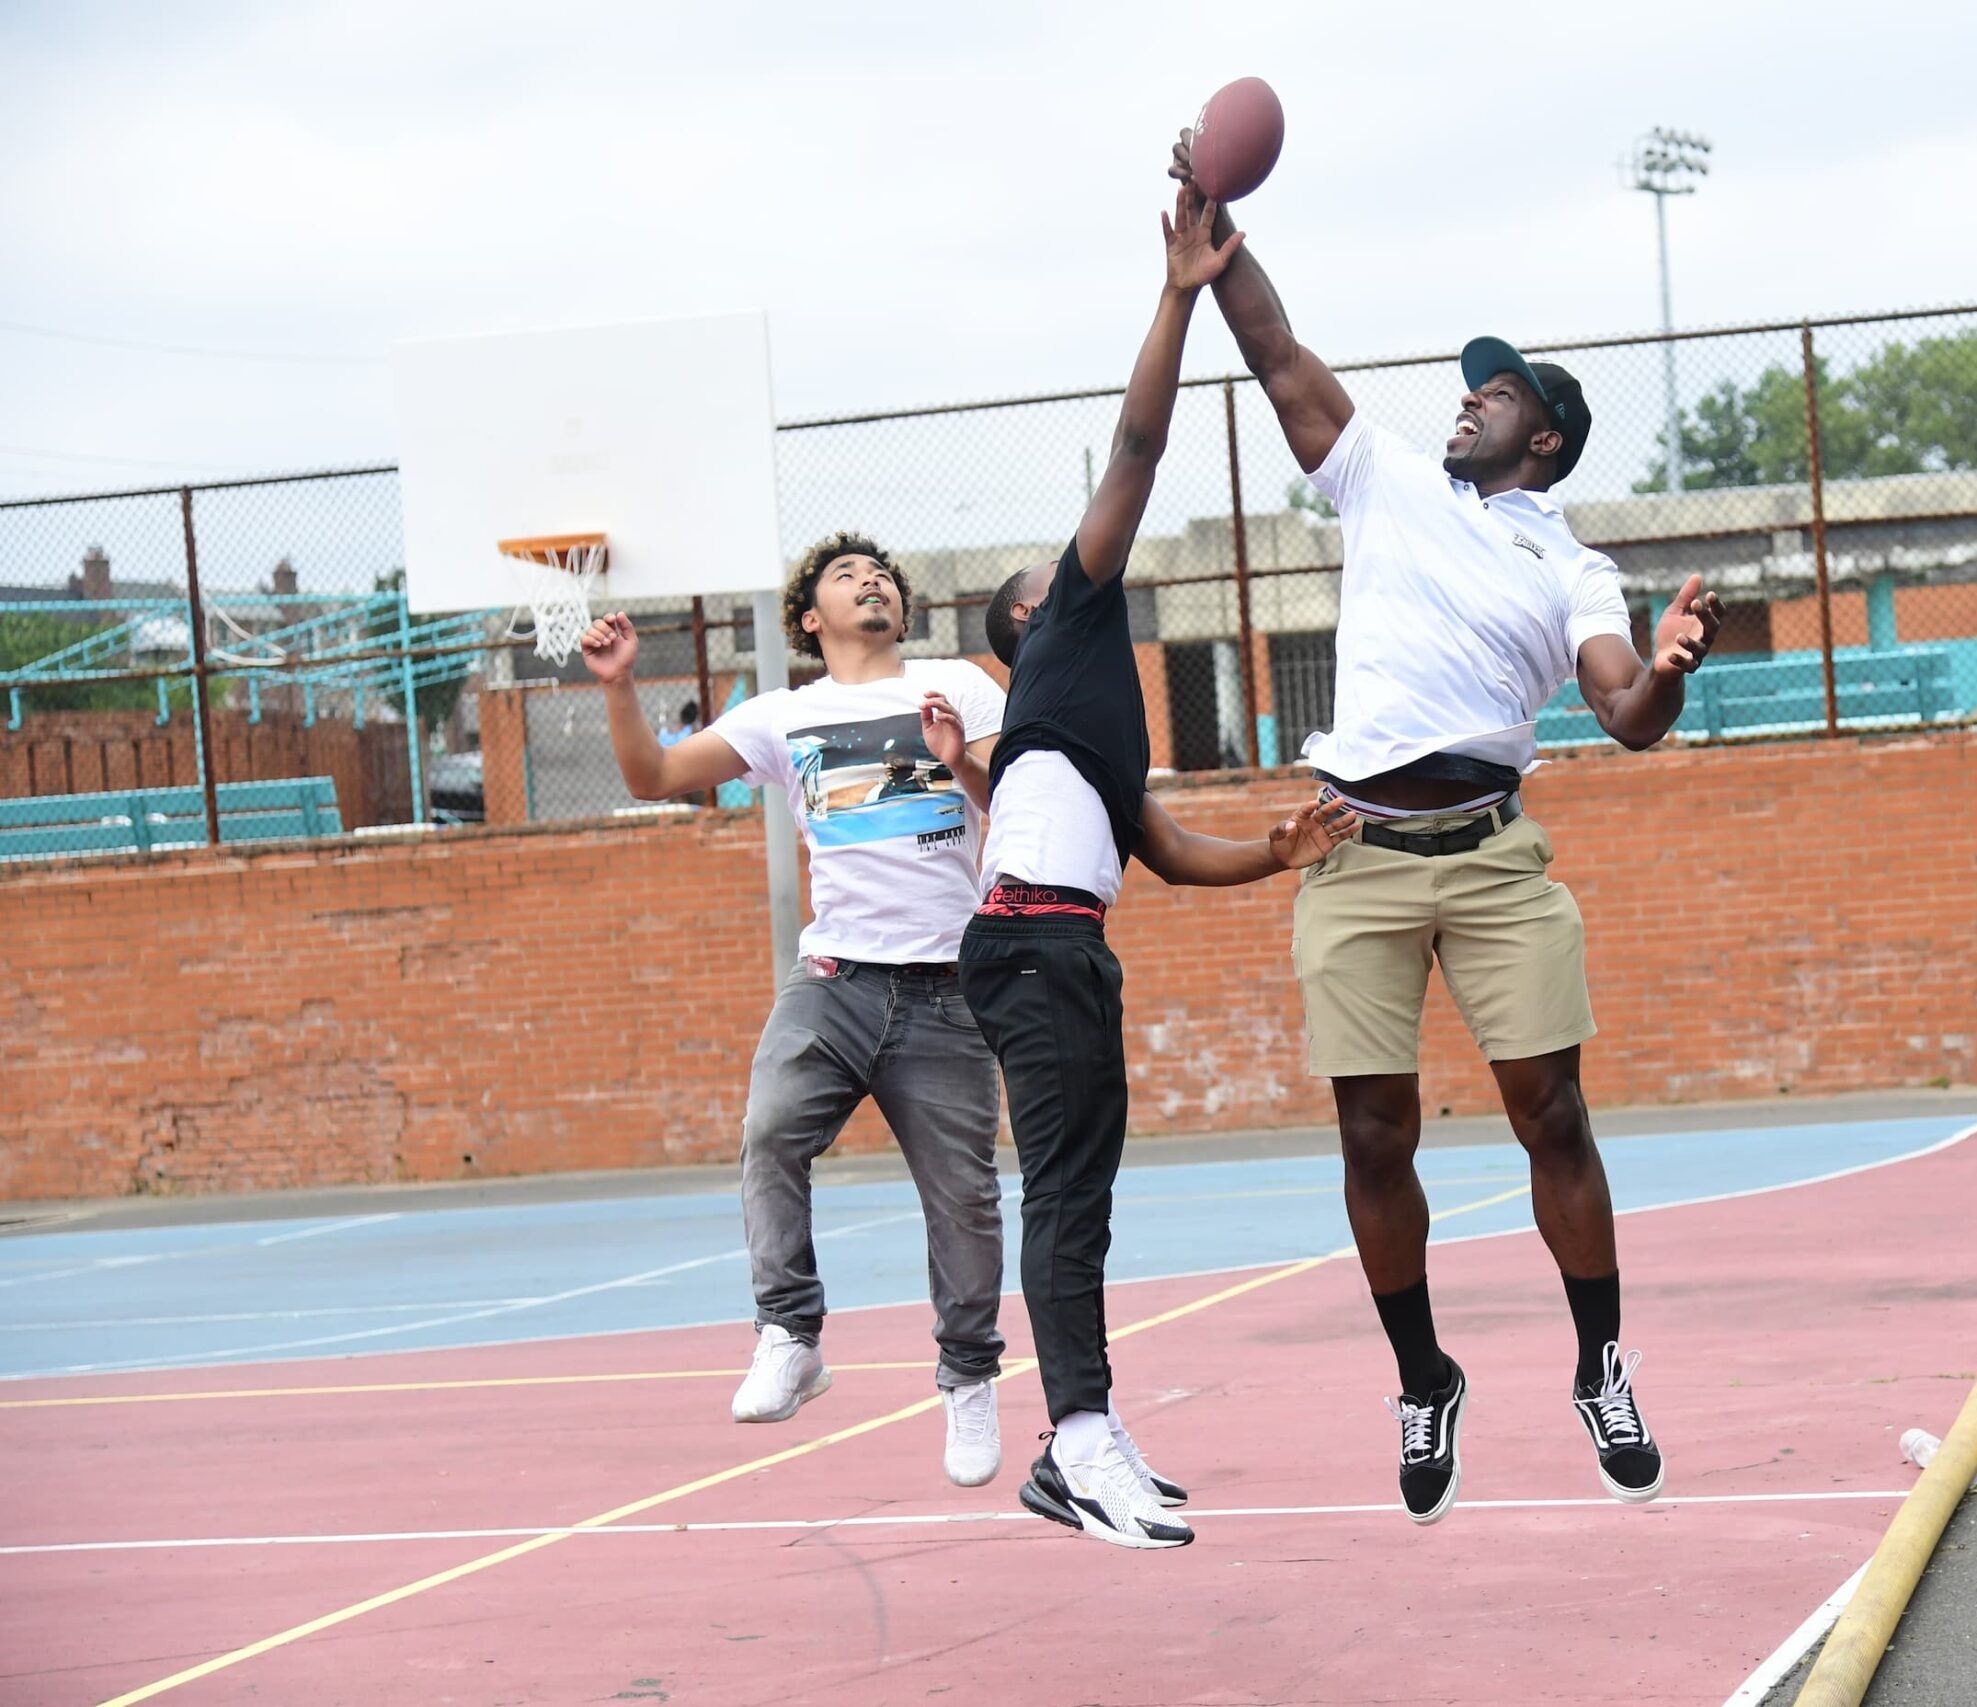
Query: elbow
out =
(1633, 739)
(1141, 443)
(1271, 360)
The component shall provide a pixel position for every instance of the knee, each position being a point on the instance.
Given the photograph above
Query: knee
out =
(1549, 1117)
(1378, 1138)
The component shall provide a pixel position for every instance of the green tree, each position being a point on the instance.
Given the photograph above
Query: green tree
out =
(1299, 495)
(26, 637)
(1906, 410)
(1921, 405)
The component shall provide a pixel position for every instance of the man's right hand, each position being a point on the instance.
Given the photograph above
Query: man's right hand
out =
(1182, 165)
(610, 647)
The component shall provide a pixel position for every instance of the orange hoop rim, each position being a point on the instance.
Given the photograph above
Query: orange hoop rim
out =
(557, 550)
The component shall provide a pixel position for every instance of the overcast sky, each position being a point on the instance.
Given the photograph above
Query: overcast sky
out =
(931, 203)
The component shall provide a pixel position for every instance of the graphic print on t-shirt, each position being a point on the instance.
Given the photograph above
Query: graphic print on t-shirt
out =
(875, 781)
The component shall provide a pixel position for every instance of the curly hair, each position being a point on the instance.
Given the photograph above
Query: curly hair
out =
(800, 590)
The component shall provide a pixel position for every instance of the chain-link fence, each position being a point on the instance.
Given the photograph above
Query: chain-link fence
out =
(237, 661)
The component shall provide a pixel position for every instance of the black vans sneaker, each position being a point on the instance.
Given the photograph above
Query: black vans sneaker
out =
(1431, 1447)
(1629, 1460)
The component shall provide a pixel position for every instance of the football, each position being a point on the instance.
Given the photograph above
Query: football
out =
(1237, 139)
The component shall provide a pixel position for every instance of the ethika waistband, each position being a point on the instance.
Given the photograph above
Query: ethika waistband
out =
(1013, 898)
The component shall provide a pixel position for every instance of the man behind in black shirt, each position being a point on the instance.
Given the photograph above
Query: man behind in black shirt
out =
(1068, 806)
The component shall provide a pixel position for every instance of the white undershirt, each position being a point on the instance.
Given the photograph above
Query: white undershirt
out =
(1048, 825)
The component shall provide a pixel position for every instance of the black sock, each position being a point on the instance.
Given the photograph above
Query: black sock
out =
(1410, 1323)
(1596, 1316)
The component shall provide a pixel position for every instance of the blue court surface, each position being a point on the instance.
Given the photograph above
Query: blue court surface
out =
(425, 1278)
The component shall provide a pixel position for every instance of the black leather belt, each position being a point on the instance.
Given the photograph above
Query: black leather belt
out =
(1465, 839)
(829, 966)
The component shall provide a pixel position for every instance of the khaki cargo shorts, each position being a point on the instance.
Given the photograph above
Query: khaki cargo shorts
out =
(1510, 941)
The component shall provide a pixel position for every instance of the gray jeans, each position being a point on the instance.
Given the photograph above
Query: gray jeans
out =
(907, 1040)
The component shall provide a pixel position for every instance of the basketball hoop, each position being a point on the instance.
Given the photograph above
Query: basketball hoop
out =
(555, 573)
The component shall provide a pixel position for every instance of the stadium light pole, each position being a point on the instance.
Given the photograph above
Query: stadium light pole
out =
(1667, 163)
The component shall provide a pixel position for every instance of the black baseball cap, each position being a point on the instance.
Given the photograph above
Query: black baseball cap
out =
(1484, 358)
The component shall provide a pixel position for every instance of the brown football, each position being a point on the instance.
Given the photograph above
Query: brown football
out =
(1237, 139)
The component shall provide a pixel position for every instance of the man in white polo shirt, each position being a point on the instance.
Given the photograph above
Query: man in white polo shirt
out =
(885, 762)
(1465, 604)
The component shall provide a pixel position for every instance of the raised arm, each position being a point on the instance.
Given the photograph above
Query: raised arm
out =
(1312, 407)
(1638, 703)
(1105, 536)
(1180, 856)
(651, 772)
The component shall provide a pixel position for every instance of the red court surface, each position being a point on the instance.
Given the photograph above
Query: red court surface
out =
(1790, 1338)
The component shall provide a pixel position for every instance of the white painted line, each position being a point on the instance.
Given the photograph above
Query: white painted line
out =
(920, 1520)
(329, 1227)
(645, 1277)
(96, 1265)
(253, 1315)
(199, 1359)
(1794, 1648)
(250, 1354)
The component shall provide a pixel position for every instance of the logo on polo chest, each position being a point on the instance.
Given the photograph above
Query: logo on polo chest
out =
(1530, 545)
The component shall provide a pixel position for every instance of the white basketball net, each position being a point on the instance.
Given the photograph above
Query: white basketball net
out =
(556, 588)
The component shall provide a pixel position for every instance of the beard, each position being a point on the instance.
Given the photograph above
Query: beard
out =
(1477, 461)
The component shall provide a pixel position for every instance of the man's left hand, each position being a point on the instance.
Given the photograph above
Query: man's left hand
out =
(1687, 629)
(1311, 832)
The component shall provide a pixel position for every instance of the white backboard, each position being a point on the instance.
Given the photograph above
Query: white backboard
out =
(659, 434)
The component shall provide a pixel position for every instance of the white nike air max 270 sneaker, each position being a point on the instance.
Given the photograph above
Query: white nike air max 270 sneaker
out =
(785, 1375)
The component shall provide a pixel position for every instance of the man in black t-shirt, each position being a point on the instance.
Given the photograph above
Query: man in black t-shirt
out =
(1068, 806)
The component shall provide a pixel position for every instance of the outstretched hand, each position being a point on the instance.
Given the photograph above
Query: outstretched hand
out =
(1687, 629)
(1193, 261)
(1311, 832)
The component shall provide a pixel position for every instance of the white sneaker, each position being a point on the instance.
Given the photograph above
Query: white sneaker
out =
(1104, 1498)
(1164, 1492)
(786, 1373)
(974, 1434)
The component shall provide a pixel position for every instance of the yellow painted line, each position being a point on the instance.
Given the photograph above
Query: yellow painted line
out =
(1291, 1270)
(1847, 1663)
(488, 1561)
(417, 1386)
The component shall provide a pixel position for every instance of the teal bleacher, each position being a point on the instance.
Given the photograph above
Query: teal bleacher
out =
(140, 820)
(1785, 693)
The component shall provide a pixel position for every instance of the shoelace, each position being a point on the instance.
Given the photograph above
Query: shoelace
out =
(971, 1415)
(1416, 1429)
(1119, 1475)
(1128, 1449)
(1618, 1417)
(769, 1353)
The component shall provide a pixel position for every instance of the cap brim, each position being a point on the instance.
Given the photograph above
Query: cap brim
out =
(1484, 358)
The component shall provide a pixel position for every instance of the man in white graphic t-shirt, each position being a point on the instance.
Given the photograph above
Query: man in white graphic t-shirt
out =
(885, 762)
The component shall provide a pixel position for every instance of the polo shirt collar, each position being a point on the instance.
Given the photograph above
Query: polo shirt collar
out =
(1542, 502)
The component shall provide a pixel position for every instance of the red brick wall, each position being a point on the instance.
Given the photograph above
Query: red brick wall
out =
(1793, 916)
(1921, 613)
